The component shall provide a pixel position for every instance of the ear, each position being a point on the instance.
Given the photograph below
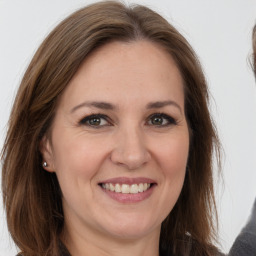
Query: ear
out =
(47, 154)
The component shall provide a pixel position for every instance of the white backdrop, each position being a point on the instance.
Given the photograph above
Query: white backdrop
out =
(219, 31)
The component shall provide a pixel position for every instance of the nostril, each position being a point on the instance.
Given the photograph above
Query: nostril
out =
(131, 161)
(130, 150)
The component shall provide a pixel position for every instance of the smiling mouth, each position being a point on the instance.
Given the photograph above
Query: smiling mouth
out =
(126, 188)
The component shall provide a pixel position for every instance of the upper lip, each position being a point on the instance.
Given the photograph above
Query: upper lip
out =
(127, 180)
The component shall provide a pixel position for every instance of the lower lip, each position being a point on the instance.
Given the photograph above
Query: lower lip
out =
(129, 198)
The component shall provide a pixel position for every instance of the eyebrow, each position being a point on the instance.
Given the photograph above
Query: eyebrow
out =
(95, 104)
(161, 104)
(109, 106)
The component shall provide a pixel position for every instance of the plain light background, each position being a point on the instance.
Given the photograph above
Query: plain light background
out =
(220, 33)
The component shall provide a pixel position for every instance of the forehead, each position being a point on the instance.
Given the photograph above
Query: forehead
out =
(118, 71)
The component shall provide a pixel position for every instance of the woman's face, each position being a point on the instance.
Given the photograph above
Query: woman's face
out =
(119, 141)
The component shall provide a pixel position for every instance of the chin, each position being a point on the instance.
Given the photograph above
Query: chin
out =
(132, 228)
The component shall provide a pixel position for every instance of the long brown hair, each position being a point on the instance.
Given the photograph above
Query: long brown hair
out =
(32, 196)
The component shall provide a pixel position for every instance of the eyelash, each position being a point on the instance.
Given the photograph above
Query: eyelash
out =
(170, 120)
(85, 120)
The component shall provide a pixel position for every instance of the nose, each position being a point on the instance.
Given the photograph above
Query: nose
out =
(130, 150)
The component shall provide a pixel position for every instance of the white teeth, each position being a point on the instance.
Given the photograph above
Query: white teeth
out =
(125, 188)
(134, 189)
(111, 187)
(118, 188)
(141, 187)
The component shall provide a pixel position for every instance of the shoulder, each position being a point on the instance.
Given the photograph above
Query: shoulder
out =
(245, 243)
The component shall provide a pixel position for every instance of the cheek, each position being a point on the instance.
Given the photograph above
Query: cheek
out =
(77, 162)
(173, 156)
(77, 157)
(173, 163)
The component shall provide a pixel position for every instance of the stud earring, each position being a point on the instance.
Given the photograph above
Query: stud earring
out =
(45, 164)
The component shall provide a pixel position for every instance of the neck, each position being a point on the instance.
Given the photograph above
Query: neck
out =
(96, 243)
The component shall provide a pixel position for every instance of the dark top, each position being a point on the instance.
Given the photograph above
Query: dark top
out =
(245, 243)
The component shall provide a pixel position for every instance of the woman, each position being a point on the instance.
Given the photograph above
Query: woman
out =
(110, 141)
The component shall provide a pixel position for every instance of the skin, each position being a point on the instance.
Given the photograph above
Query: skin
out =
(128, 143)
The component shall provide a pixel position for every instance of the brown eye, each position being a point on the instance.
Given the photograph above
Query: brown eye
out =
(95, 120)
(161, 120)
(157, 120)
